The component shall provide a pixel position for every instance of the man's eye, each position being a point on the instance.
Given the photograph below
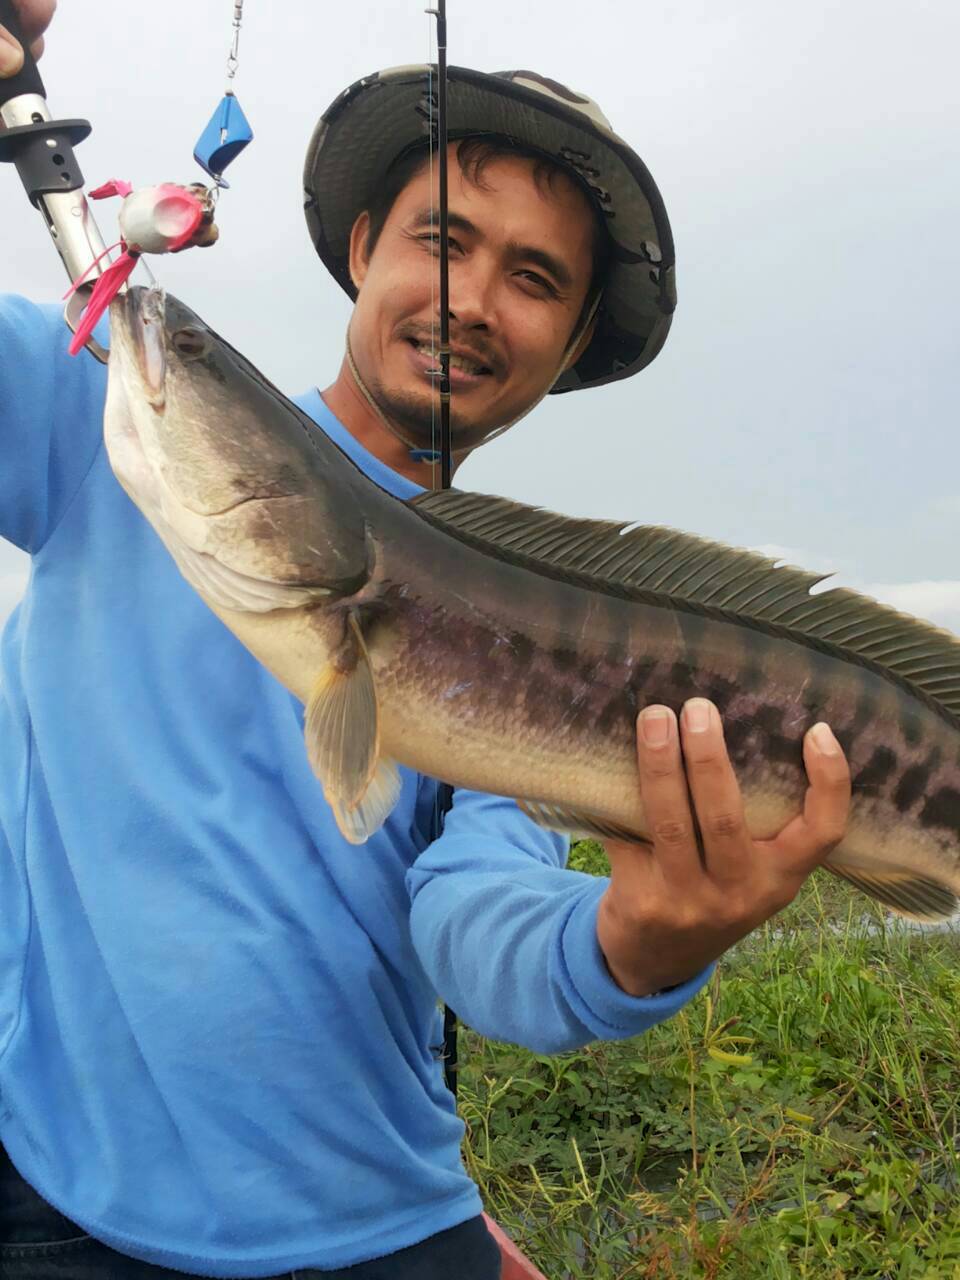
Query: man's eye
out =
(433, 238)
(538, 280)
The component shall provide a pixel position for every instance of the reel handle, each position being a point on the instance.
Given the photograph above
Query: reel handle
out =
(27, 79)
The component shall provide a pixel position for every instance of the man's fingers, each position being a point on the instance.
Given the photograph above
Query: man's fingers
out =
(35, 16)
(715, 790)
(11, 55)
(808, 840)
(666, 797)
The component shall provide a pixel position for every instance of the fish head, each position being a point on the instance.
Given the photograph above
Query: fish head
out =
(223, 465)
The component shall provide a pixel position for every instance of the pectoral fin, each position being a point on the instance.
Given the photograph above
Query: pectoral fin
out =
(581, 825)
(360, 822)
(342, 723)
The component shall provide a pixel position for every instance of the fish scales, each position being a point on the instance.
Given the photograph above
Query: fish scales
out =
(505, 671)
(410, 637)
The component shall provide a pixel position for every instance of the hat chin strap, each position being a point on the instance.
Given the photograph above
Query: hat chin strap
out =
(561, 368)
(405, 440)
(362, 386)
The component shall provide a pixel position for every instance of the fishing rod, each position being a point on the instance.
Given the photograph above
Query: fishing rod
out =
(41, 148)
(446, 448)
(515, 1265)
(439, 138)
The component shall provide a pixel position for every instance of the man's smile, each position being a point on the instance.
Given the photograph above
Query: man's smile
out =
(467, 369)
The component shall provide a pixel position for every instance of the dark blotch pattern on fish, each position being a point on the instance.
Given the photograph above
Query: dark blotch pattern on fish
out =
(683, 678)
(877, 769)
(736, 734)
(752, 679)
(564, 659)
(641, 673)
(942, 809)
(910, 727)
(781, 750)
(769, 719)
(911, 787)
(721, 692)
(523, 647)
(814, 699)
(865, 714)
(620, 709)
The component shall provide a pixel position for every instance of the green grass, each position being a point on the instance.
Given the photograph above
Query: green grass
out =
(799, 1119)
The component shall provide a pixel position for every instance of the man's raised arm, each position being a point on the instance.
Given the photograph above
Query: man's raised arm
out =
(49, 402)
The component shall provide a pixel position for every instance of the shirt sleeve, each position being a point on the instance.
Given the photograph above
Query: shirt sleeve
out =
(508, 934)
(51, 420)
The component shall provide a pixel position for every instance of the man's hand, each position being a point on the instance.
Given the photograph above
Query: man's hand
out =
(34, 17)
(679, 903)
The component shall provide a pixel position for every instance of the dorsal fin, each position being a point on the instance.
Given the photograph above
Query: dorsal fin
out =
(649, 560)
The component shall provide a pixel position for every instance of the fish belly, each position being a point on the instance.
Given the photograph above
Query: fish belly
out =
(293, 644)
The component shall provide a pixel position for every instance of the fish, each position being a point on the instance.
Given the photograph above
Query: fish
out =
(509, 649)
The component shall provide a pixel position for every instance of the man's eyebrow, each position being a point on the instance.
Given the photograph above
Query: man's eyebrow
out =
(430, 217)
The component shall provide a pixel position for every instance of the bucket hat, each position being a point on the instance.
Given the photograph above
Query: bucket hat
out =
(381, 116)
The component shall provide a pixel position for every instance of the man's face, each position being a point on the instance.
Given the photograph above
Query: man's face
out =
(520, 266)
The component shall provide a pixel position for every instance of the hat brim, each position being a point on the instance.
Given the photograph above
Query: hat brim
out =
(380, 116)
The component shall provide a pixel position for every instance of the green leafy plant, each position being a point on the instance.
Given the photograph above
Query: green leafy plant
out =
(798, 1119)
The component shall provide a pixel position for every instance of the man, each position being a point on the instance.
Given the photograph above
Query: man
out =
(218, 1020)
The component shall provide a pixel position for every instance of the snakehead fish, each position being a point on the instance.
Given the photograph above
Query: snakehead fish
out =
(508, 649)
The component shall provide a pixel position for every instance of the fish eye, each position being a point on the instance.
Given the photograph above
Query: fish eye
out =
(190, 343)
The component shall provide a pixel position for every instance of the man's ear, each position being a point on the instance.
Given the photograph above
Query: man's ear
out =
(359, 258)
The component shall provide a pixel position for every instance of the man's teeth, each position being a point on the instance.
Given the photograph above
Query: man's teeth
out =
(456, 362)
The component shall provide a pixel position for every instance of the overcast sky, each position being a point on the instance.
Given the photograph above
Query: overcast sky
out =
(809, 157)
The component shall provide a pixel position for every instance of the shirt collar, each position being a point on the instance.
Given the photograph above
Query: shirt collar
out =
(312, 403)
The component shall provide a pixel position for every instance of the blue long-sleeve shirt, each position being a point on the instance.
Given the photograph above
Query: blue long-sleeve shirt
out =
(218, 1020)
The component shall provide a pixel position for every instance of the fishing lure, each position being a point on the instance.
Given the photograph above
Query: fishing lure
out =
(168, 217)
(161, 219)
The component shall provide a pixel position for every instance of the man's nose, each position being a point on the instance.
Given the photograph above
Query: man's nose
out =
(472, 296)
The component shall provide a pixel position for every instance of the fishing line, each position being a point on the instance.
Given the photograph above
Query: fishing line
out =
(228, 130)
(442, 192)
(434, 454)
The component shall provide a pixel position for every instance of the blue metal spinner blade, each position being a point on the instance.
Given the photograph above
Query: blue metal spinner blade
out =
(226, 135)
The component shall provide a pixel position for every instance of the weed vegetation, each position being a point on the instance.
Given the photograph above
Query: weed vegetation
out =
(797, 1120)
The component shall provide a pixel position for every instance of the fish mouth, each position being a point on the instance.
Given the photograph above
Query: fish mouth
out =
(145, 316)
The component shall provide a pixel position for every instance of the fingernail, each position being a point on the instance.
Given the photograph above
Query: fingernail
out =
(11, 55)
(698, 715)
(655, 726)
(824, 740)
